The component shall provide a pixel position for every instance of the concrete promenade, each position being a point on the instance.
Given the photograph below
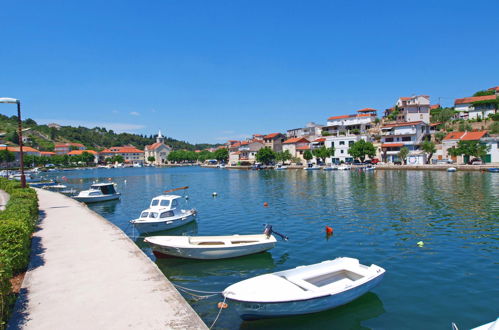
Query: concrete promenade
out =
(85, 273)
(4, 199)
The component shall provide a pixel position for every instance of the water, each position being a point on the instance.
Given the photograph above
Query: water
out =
(377, 217)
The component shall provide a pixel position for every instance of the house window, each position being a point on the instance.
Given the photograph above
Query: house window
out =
(341, 151)
(406, 138)
(350, 143)
(389, 140)
(342, 143)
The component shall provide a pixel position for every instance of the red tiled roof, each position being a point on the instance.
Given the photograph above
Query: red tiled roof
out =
(405, 98)
(47, 153)
(320, 140)
(409, 123)
(435, 106)
(435, 124)
(244, 143)
(63, 145)
(367, 110)
(271, 136)
(121, 150)
(340, 117)
(496, 88)
(465, 136)
(154, 145)
(392, 145)
(474, 99)
(303, 148)
(296, 140)
(16, 149)
(79, 152)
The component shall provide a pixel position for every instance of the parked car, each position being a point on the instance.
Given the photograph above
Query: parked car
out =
(476, 161)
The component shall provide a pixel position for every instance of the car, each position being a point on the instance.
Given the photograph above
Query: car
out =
(374, 161)
(476, 161)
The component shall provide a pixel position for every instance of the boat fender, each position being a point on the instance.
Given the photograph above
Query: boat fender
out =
(329, 230)
(222, 305)
(265, 204)
(214, 194)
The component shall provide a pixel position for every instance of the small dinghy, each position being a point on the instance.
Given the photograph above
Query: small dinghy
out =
(304, 289)
(212, 247)
(451, 169)
(164, 213)
(494, 169)
(98, 192)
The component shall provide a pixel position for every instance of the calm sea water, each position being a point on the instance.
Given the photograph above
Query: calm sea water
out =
(377, 217)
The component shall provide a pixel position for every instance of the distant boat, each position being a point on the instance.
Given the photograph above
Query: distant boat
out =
(494, 170)
(451, 169)
(312, 167)
(304, 289)
(98, 192)
(344, 167)
(280, 167)
(330, 168)
(164, 213)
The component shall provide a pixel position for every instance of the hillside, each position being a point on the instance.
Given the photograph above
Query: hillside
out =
(43, 137)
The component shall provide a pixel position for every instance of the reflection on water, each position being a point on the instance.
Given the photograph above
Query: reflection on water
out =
(377, 217)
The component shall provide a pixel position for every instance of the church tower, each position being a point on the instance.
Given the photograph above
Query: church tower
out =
(160, 138)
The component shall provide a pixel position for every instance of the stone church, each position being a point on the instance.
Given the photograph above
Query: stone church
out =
(158, 150)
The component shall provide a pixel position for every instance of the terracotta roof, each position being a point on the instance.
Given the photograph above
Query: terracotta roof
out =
(47, 153)
(271, 136)
(79, 152)
(340, 117)
(154, 145)
(296, 140)
(63, 145)
(16, 149)
(320, 140)
(367, 110)
(435, 124)
(465, 136)
(244, 143)
(405, 98)
(392, 145)
(303, 148)
(121, 150)
(496, 88)
(435, 106)
(474, 99)
(409, 123)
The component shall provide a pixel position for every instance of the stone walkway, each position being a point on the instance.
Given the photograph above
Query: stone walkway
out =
(85, 273)
(4, 199)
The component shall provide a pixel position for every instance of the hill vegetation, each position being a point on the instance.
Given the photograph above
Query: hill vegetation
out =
(44, 138)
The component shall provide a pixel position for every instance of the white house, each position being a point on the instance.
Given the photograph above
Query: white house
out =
(296, 146)
(493, 145)
(341, 145)
(311, 131)
(453, 138)
(468, 110)
(158, 150)
(414, 108)
(362, 121)
(398, 135)
(245, 151)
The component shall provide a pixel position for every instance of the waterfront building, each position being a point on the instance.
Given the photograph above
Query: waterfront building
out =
(274, 141)
(476, 107)
(341, 144)
(492, 142)
(362, 121)
(408, 134)
(159, 150)
(248, 149)
(296, 146)
(65, 148)
(453, 138)
(311, 131)
(47, 153)
(130, 154)
(80, 152)
(26, 151)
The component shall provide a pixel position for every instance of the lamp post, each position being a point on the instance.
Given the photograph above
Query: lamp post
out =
(20, 134)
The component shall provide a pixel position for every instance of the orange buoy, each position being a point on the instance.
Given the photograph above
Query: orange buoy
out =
(265, 204)
(222, 305)
(329, 230)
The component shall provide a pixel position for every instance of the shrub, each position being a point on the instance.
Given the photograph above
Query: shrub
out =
(495, 117)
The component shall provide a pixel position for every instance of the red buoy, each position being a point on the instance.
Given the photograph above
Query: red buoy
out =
(265, 204)
(329, 230)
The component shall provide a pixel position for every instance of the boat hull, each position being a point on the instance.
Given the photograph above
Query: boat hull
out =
(96, 199)
(150, 227)
(161, 251)
(256, 310)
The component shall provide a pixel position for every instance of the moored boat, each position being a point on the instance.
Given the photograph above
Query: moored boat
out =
(98, 192)
(494, 169)
(164, 213)
(304, 289)
(451, 169)
(312, 167)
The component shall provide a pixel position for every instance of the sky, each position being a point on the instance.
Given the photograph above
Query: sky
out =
(208, 71)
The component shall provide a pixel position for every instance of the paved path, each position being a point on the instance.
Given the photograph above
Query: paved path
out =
(4, 198)
(85, 273)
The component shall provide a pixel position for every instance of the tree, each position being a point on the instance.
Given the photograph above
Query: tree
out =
(454, 152)
(483, 93)
(403, 153)
(307, 155)
(87, 157)
(361, 149)
(464, 126)
(265, 156)
(439, 136)
(151, 159)
(6, 156)
(494, 128)
(322, 153)
(429, 148)
(472, 148)
(222, 155)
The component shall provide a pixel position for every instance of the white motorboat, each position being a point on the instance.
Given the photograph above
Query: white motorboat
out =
(312, 167)
(330, 168)
(304, 289)
(60, 188)
(344, 167)
(98, 192)
(212, 247)
(164, 213)
(494, 325)
(280, 167)
(451, 169)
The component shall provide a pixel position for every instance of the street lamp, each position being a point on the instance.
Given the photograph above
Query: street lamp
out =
(20, 133)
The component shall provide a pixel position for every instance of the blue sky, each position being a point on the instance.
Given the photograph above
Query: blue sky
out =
(206, 71)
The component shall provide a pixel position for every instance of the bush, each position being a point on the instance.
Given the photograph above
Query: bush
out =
(495, 117)
(494, 128)
(17, 223)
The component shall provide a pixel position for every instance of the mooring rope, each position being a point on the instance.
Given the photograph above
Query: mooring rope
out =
(222, 306)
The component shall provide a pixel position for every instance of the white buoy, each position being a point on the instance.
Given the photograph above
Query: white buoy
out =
(186, 197)
(214, 194)
(124, 181)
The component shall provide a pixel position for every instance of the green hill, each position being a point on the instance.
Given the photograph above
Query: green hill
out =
(43, 137)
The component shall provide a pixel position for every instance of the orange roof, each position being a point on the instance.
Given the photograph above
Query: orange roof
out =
(474, 99)
(79, 152)
(154, 145)
(465, 136)
(392, 145)
(367, 110)
(496, 88)
(69, 145)
(271, 136)
(352, 116)
(405, 98)
(340, 117)
(244, 143)
(121, 150)
(435, 106)
(303, 148)
(296, 140)
(320, 140)
(16, 149)
(409, 123)
(47, 153)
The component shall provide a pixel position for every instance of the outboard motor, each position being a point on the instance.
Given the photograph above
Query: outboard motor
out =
(269, 231)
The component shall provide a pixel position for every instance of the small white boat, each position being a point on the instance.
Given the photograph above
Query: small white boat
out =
(369, 168)
(209, 247)
(494, 325)
(451, 169)
(330, 168)
(98, 192)
(304, 289)
(280, 167)
(163, 213)
(221, 166)
(312, 167)
(344, 167)
(60, 188)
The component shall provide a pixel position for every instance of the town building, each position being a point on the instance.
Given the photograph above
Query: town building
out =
(311, 131)
(274, 141)
(248, 149)
(341, 144)
(296, 146)
(130, 154)
(80, 152)
(492, 143)
(26, 151)
(476, 107)
(452, 139)
(47, 153)
(414, 108)
(65, 148)
(407, 134)
(360, 122)
(158, 150)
